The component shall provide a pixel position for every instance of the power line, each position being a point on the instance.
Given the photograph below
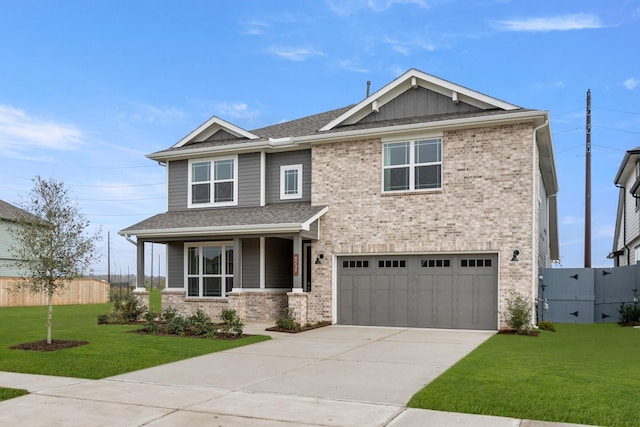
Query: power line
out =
(617, 130)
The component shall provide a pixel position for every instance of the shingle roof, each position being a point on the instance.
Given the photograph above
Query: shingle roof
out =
(226, 219)
(10, 212)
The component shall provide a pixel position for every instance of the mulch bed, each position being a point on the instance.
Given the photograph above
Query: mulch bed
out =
(54, 346)
(514, 332)
(302, 329)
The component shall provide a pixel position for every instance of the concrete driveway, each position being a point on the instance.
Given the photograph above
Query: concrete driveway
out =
(333, 376)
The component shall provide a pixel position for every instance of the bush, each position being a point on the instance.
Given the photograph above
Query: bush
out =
(177, 325)
(629, 313)
(150, 324)
(287, 321)
(201, 323)
(103, 319)
(169, 313)
(518, 312)
(126, 307)
(547, 325)
(231, 322)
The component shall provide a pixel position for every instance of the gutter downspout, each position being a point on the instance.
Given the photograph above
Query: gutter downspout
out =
(624, 222)
(534, 243)
(133, 242)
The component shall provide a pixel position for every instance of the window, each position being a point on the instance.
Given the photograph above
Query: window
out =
(291, 182)
(355, 264)
(209, 269)
(412, 165)
(388, 263)
(475, 263)
(213, 182)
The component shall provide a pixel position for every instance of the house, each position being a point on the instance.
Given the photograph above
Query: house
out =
(422, 205)
(9, 214)
(626, 240)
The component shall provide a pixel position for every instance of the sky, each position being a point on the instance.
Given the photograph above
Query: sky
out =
(88, 88)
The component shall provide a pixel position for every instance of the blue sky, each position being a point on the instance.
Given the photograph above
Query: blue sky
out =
(87, 88)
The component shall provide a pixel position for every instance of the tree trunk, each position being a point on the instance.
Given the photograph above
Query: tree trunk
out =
(50, 315)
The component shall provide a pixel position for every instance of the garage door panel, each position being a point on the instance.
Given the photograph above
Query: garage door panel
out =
(446, 291)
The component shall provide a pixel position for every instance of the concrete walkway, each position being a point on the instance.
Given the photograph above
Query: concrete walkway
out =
(333, 376)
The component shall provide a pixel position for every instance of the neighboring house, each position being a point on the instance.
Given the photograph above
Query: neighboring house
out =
(8, 216)
(626, 241)
(423, 205)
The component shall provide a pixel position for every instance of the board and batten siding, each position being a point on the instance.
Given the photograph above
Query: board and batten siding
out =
(417, 102)
(175, 265)
(250, 263)
(278, 263)
(273, 163)
(248, 182)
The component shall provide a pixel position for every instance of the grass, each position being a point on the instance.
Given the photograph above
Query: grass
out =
(10, 393)
(111, 351)
(155, 300)
(585, 374)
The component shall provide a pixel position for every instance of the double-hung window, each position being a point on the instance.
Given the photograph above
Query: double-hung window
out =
(209, 269)
(412, 165)
(213, 182)
(291, 182)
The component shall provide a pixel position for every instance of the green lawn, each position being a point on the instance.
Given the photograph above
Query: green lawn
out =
(10, 393)
(111, 351)
(155, 300)
(586, 374)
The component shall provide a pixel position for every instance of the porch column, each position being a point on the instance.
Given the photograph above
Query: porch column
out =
(297, 263)
(140, 264)
(237, 263)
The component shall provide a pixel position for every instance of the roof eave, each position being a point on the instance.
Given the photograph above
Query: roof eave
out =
(216, 231)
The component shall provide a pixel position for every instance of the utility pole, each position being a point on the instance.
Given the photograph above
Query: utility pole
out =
(587, 192)
(109, 257)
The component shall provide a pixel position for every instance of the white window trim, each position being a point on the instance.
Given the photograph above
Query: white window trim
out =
(412, 166)
(283, 170)
(211, 160)
(223, 282)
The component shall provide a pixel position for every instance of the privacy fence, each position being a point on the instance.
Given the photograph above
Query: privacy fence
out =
(586, 295)
(79, 291)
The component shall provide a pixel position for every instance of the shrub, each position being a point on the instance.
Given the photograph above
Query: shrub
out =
(231, 322)
(547, 325)
(287, 321)
(177, 325)
(518, 312)
(201, 323)
(103, 319)
(629, 313)
(126, 307)
(169, 313)
(150, 324)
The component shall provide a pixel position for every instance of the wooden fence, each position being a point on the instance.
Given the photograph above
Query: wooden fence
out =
(79, 291)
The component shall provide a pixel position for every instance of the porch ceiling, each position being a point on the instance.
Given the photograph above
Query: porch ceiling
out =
(274, 218)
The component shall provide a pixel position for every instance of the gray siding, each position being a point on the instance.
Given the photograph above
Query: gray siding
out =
(251, 263)
(417, 102)
(543, 228)
(248, 182)
(249, 179)
(273, 163)
(221, 135)
(177, 187)
(7, 260)
(279, 263)
(175, 265)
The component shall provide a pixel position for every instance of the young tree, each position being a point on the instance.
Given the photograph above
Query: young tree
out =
(50, 242)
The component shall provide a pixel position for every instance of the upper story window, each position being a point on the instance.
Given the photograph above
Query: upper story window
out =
(291, 182)
(213, 182)
(412, 165)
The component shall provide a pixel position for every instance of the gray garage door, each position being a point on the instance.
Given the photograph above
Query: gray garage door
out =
(454, 291)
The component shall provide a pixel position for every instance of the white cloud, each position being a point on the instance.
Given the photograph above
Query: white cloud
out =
(406, 47)
(631, 83)
(572, 220)
(297, 54)
(255, 28)
(22, 135)
(578, 21)
(235, 110)
(151, 114)
(349, 65)
(344, 8)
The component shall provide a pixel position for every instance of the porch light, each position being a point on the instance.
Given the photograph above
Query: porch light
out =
(319, 258)
(515, 255)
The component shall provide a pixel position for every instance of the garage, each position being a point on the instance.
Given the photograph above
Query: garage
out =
(424, 291)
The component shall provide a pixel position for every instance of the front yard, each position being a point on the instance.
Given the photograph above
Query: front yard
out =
(112, 350)
(585, 374)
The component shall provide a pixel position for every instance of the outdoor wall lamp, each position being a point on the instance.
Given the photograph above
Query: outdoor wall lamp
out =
(515, 255)
(319, 258)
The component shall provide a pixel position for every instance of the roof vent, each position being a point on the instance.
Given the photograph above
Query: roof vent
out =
(368, 87)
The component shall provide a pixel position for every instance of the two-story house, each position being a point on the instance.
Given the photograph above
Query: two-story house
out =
(9, 214)
(423, 205)
(626, 240)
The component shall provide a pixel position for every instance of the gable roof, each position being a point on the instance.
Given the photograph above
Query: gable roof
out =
(415, 79)
(10, 212)
(210, 127)
(633, 153)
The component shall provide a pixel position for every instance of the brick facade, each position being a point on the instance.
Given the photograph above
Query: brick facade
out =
(485, 205)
